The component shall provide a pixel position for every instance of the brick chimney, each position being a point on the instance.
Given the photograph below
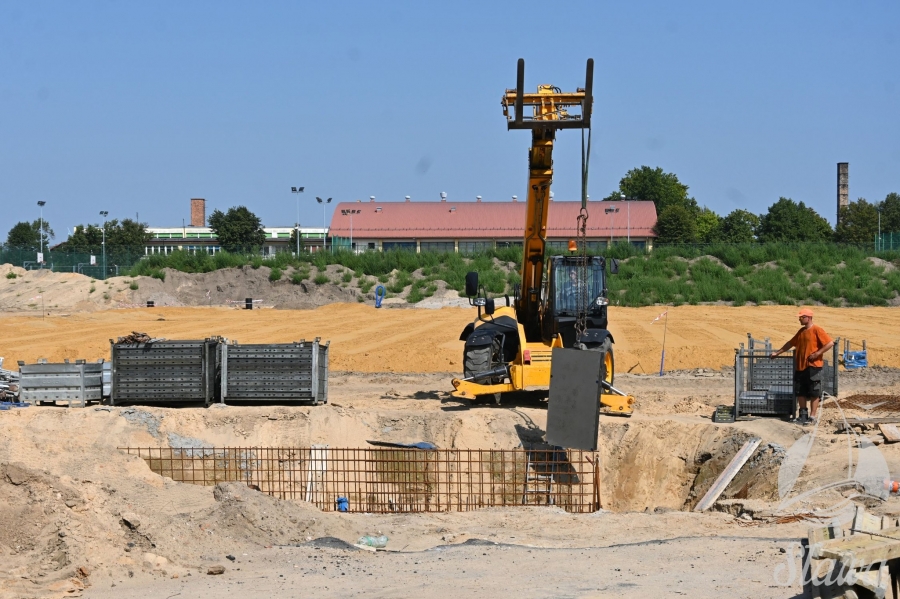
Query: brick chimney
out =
(198, 212)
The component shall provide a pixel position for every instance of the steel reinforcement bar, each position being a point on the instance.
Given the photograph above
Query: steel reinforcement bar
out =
(393, 480)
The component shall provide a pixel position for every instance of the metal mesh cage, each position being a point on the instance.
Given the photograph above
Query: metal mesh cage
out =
(764, 386)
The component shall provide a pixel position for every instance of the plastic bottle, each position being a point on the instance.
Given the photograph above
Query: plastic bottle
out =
(892, 486)
(379, 542)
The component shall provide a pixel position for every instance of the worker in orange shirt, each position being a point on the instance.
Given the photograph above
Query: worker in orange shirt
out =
(810, 342)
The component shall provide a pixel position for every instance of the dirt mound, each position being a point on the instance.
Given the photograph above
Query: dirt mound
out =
(55, 292)
(244, 513)
(885, 264)
(713, 259)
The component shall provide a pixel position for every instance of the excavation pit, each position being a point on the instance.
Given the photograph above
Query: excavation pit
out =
(640, 466)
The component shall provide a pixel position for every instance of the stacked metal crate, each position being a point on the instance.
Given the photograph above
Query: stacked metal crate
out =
(169, 372)
(764, 386)
(47, 382)
(281, 372)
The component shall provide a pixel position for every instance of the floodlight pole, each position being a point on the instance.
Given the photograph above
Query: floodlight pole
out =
(324, 231)
(41, 230)
(628, 210)
(104, 214)
(611, 221)
(350, 213)
(298, 191)
(878, 240)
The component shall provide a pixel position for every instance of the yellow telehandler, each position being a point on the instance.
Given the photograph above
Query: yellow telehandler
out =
(508, 348)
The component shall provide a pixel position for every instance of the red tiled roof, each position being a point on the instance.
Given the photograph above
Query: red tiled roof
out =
(487, 220)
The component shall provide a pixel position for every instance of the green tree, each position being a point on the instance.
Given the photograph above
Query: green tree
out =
(709, 226)
(238, 230)
(676, 224)
(26, 235)
(84, 240)
(663, 189)
(739, 227)
(858, 222)
(890, 213)
(788, 220)
(124, 240)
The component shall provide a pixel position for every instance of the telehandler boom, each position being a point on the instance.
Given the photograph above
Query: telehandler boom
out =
(508, 348)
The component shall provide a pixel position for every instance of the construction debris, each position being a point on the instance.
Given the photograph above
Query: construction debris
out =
(9, 384)
(137, 337)
(890, 432)
(729, 473)
(857, 561)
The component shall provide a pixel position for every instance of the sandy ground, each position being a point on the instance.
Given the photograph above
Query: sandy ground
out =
(83, 518)
(366, 339)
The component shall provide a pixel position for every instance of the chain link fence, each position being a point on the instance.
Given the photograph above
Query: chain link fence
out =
(117, 261)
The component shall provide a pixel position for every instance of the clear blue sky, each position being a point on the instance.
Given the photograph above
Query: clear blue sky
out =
(135, 107)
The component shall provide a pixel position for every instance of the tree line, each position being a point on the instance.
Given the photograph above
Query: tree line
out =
(237, 230)
(680, 219)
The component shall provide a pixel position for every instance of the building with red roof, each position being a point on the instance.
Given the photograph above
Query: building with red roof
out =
(472, 226)
(442, 226)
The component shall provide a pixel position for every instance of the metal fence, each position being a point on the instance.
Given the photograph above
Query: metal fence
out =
(118, 261)
(284, 372)
(394, 480)
(164, 372)
(887, 242)
(80, 382)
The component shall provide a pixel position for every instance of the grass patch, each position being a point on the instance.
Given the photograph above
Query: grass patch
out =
(780, 273)
(275, 274)
(133, 285)
(414, 295)
(401, 281)
(11, 275)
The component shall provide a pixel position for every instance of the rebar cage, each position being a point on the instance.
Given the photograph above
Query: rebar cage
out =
(393, 480)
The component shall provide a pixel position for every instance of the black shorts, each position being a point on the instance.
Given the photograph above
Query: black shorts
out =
(808, 383)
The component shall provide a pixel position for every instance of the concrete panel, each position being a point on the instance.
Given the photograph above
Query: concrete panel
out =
(573, 412)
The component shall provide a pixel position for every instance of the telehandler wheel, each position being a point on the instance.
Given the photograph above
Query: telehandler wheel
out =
(610, 361)
(476, 359)
(479, 359)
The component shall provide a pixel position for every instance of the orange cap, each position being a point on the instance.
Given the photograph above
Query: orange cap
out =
(805, 312)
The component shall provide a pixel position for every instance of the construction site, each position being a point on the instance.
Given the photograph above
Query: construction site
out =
(150, 499)
(162, 441)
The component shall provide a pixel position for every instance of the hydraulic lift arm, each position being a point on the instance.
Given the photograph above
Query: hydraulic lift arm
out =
(550, 112)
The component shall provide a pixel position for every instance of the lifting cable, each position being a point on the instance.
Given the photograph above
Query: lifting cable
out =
(582, 275)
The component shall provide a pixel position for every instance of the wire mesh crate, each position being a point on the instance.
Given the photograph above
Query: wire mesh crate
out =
(764, 386)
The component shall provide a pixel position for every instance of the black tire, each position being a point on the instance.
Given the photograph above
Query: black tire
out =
(481, 359)
(476, 359)
(605, 346)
